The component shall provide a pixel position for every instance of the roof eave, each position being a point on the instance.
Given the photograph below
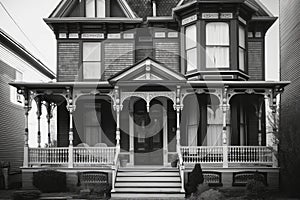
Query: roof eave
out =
(92, 20)
(26, 55)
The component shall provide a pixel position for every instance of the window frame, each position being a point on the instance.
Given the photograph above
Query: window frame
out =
(101, 60)
(186, 50)
(245, 70)
(95, 4)
(207, 21)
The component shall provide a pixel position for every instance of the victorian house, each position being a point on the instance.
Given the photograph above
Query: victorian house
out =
(144, 84)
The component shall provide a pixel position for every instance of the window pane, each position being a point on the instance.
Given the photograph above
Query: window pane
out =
(217, 57)
(190, 37)
(100, 8)
(217, 33)
(191, 58)
(90, 8)
(91, 51)
(92, 70)
(241, 59)
(242, 42)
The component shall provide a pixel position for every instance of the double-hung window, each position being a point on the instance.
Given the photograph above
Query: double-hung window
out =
(217, 45)
(95, 8)
(91, 62)
(242, 48)
(191, 47)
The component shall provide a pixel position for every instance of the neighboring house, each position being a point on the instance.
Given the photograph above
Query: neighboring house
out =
(147, 82)
(16, 64)
(289, 134)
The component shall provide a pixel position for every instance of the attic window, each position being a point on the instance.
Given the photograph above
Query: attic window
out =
(95, 8)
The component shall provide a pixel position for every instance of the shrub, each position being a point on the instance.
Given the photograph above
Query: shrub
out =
(26, 195)
(50, 181)
(200, 189)
(255, 189)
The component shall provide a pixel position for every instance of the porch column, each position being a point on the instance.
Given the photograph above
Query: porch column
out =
(273, 106)
(49, 117)
(260, 123)
(178, 108)
(71, 109)
(225, 107)
(27, 108)
(38, 114)
(117, 107)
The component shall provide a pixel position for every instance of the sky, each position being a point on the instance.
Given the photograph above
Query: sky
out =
(29, 15)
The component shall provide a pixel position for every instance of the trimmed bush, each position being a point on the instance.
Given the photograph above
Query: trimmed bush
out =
(50, 181)
(26, 195)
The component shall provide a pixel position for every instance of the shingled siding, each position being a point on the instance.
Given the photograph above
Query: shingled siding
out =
(118, 56)
(255, 59)
(290, 102)
(68, 61)
(11, 122)
(168, 54)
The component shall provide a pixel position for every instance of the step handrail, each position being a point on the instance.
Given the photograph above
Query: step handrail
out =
(115, 169)
(181, 168)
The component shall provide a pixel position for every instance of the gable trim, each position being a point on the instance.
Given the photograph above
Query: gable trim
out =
(146, 62)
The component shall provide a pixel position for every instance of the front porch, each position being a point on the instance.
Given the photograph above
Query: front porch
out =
(151, 115)
(107, 157)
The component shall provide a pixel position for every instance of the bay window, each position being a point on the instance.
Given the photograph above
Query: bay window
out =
(242, 48)
(95, 8)
(191, 47)
(217, 45)
(91, 61)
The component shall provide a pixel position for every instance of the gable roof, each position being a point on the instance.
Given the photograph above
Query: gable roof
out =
(147, 70)
(21, 51)
(66, 6)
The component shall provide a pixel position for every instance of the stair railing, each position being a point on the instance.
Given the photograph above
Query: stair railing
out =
(181, 168)
(115, 168)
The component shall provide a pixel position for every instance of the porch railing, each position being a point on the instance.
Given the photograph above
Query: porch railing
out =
(81, 156)
(94, 155)
(250, 154)
(202, 154)
(42, 156)
(236, 155)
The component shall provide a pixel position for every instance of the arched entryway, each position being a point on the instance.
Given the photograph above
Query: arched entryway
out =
(149, 130)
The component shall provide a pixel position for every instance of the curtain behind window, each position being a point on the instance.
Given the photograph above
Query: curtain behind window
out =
(217, 45)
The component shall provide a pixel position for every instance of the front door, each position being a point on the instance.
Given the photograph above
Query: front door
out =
(148, 133)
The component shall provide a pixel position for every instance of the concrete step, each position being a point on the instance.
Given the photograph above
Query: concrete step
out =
(150, 169)
(177, 196)
(148, 190)
(148, 179)
(148, 184)
(146, 173)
